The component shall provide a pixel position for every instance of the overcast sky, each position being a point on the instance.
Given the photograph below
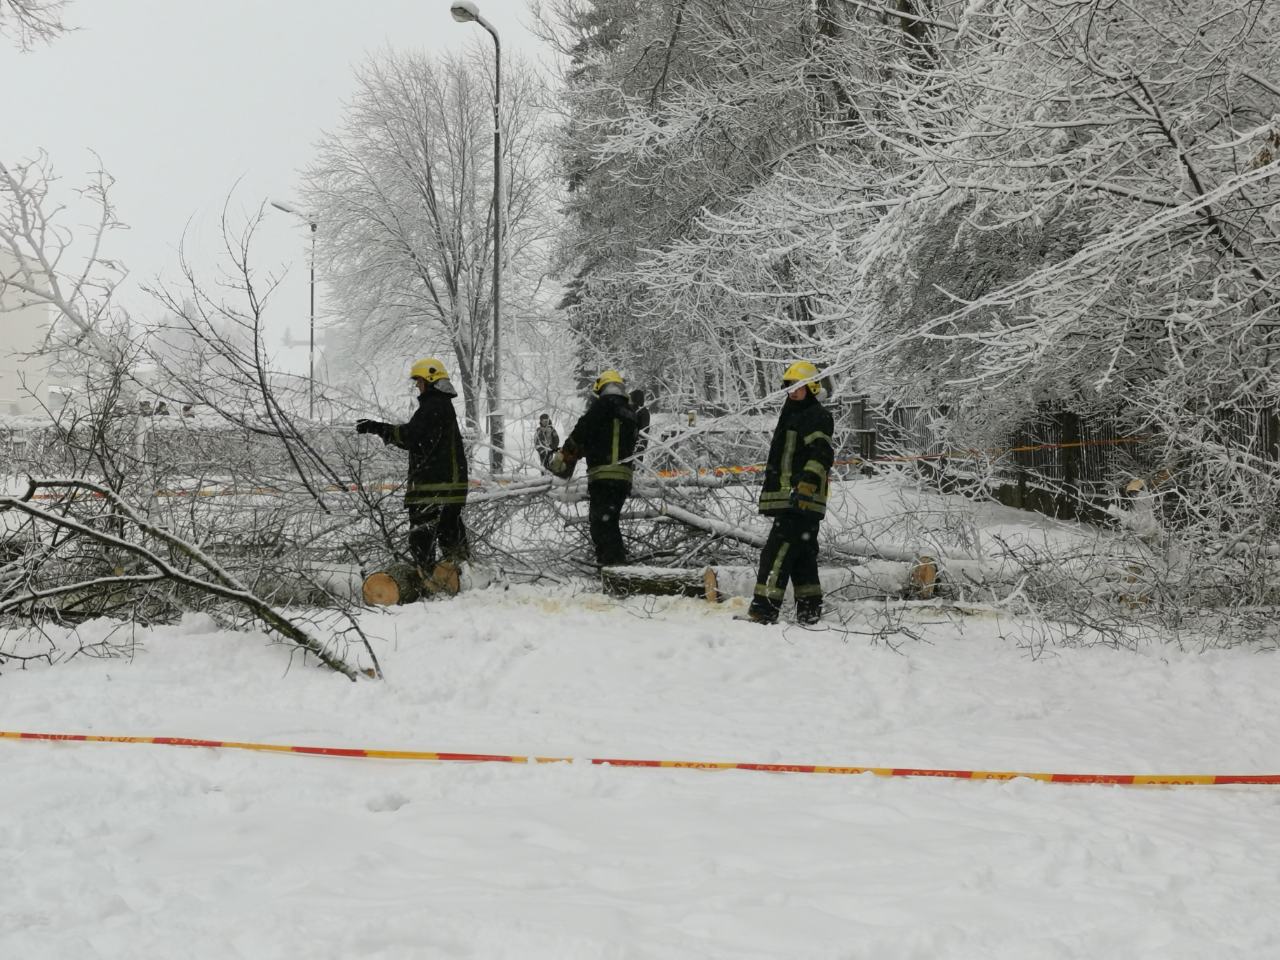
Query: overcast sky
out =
(183, 98)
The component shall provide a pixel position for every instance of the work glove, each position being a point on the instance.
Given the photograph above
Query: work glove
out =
(369, 426)
(803, 494)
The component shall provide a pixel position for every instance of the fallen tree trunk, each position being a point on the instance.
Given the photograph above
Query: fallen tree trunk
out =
(659, 582)
(853, 550)
(874, 579)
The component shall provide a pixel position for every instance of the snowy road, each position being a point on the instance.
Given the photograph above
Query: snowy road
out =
(141, 851)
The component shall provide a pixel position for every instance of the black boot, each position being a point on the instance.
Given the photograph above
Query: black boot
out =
(809, 610)
(763, 611)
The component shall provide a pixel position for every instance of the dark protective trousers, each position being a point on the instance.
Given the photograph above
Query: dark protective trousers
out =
(432, 523)
(607, 499)
(790, 555)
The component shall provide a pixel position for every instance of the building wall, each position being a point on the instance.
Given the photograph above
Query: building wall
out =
(22, 330)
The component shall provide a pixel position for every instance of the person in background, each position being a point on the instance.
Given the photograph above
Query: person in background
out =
(794, 494)
(437, 487)
(642, 423)
(545, 439)
(606, 436)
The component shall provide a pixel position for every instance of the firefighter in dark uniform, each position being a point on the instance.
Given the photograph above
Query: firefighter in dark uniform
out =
(795, 496)
(437, 485)
(606, 436)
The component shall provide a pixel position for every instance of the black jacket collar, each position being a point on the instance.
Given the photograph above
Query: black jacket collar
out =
(795, 406)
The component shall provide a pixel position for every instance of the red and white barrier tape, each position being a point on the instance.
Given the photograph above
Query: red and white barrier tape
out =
(1118, 779)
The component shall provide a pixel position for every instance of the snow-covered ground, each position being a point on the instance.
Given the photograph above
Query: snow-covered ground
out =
(148, 851)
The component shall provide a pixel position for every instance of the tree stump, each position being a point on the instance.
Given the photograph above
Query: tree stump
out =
(924, 577)
(711, 586)
(403, 583)
(660, 582)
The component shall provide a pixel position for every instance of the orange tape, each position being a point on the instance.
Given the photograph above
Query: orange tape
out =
(1117, 779)
(975, 453)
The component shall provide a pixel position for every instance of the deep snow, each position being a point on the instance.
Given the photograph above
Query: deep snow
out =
(145, 851)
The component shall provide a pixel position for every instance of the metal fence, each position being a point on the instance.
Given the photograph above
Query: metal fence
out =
(179, 450)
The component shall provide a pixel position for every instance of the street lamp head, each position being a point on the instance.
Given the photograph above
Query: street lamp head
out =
(464, 11)
(289, 208)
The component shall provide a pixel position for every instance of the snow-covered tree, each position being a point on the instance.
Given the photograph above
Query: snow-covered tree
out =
(992, 206)
(696, 133)
(403, 195)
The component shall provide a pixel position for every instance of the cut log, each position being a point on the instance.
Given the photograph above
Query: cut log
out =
(401, 583)
(659, 582)
(404, 583)
(872, 579)
(923, 577)
(445, 579)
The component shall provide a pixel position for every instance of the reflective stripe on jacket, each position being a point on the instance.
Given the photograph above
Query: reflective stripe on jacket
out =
(801, 451)
(437, 457)
(606, 436)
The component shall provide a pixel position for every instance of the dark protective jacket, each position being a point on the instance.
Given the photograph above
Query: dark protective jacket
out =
(801, 452)
(606, 436)
(437, 458)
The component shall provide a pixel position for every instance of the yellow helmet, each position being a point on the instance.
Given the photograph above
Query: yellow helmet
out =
(803, 372)
(606, 378)
(429, 370)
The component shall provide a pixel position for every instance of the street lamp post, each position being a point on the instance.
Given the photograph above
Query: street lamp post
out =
(465, 11)
(311, 358)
